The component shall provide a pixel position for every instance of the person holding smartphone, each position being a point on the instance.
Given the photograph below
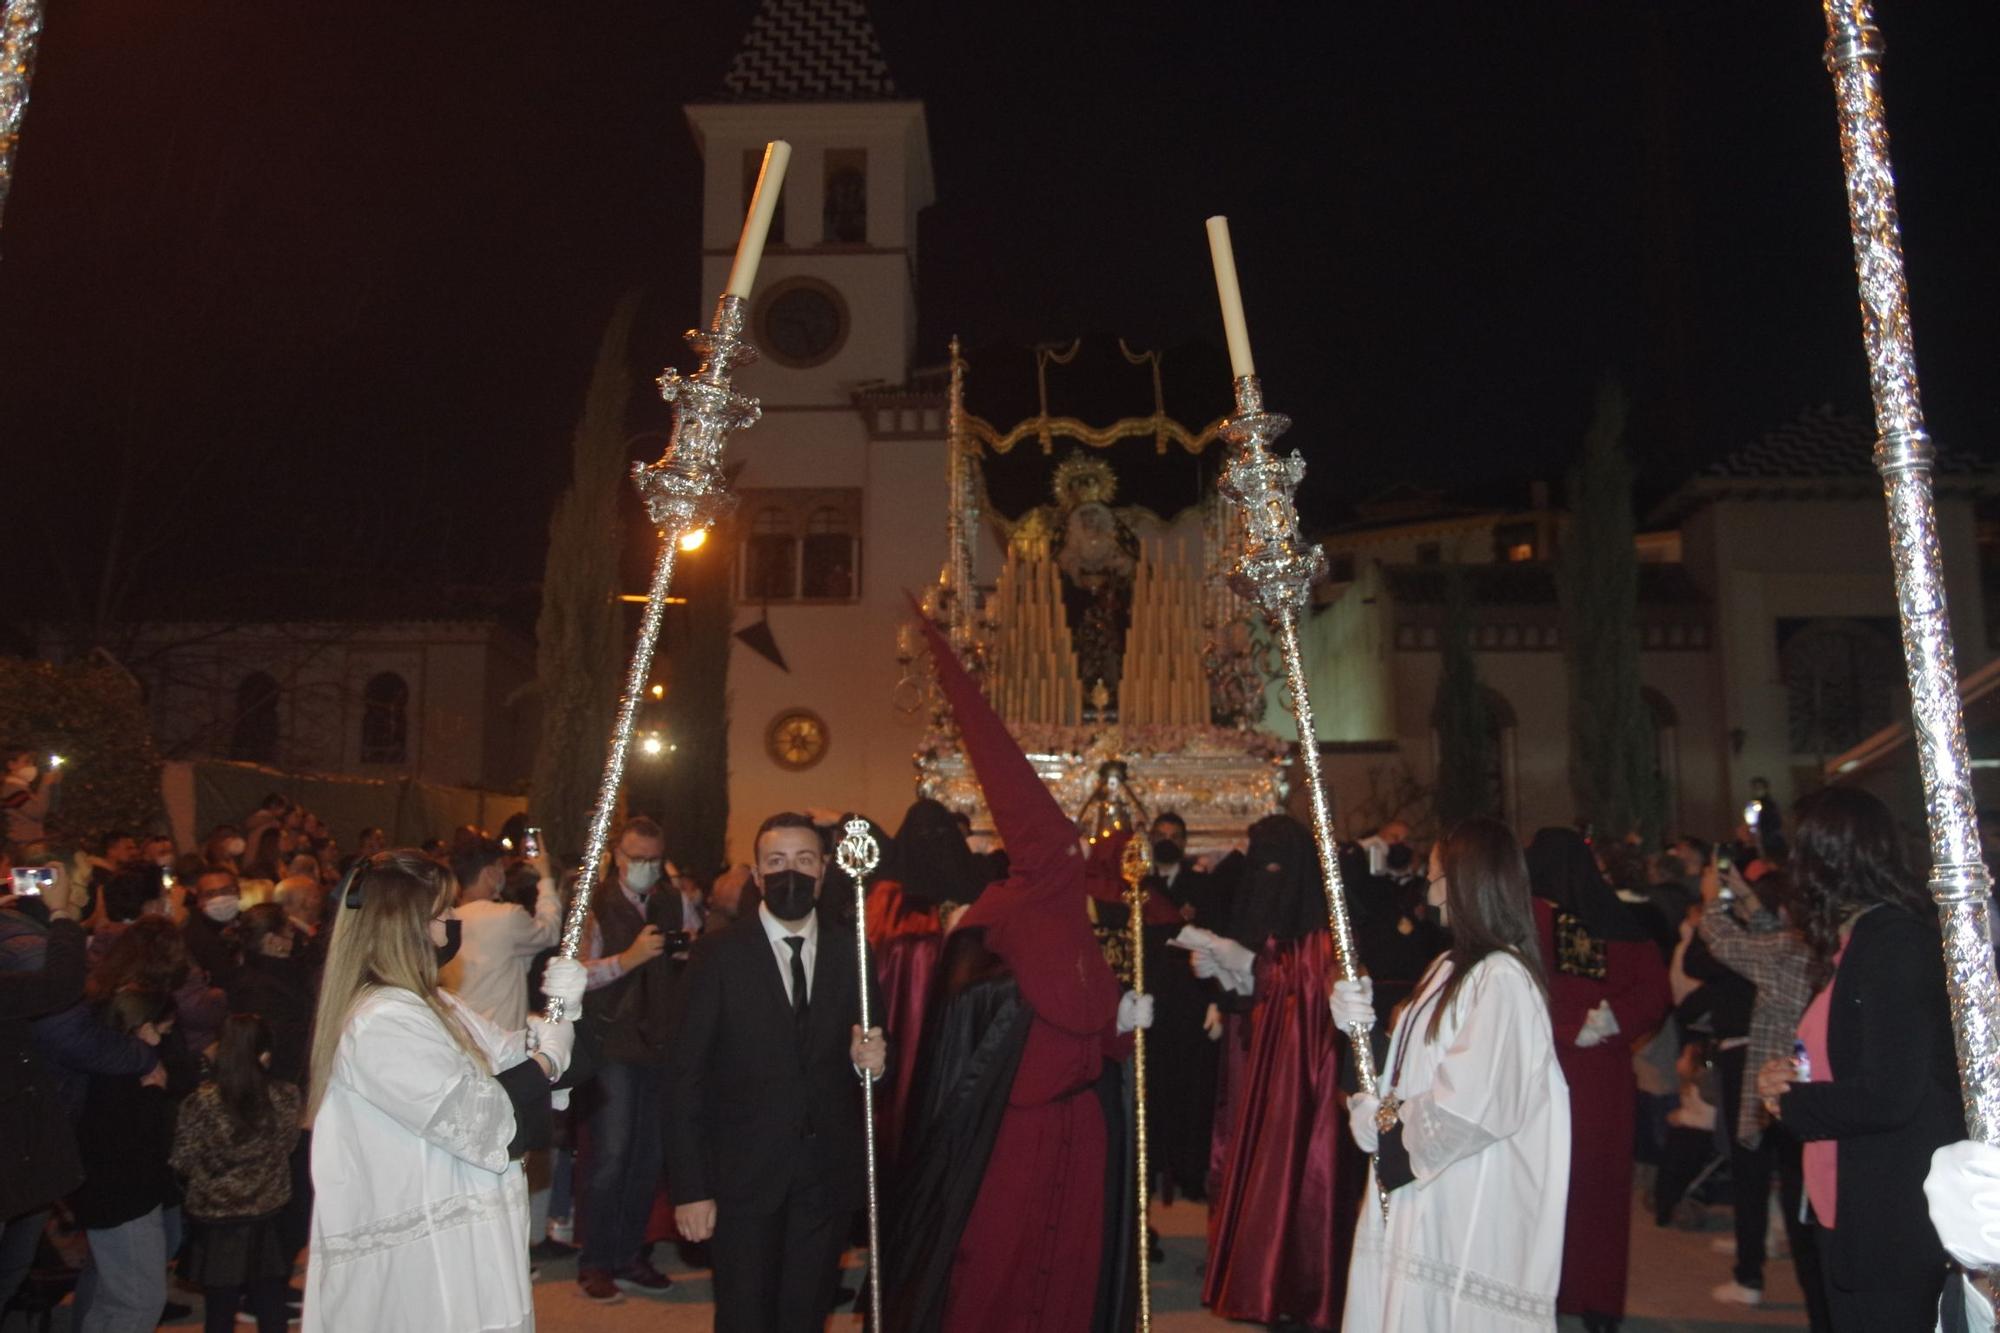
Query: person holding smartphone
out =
(25, 793)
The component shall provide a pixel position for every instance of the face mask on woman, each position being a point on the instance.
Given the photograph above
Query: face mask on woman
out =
(222, 909)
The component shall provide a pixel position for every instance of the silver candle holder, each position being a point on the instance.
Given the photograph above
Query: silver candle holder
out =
(684, 491)
(1276, 572)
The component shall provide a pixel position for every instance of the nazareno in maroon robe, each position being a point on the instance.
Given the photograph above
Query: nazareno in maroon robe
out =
(1603, 1091)
(1028, 1257)
(905, 938)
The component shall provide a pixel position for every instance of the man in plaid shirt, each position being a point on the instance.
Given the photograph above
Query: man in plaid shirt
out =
(1749, 932)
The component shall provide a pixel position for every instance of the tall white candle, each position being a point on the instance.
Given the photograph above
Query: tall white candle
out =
(1233, 326)
(763, 206)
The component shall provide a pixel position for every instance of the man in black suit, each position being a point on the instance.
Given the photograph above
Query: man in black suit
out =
(764, 1136)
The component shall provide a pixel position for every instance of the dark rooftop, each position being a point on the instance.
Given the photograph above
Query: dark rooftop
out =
(810, 51)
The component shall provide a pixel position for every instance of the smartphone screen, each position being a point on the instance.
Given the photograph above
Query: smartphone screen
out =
(28, 880)
(531, 842)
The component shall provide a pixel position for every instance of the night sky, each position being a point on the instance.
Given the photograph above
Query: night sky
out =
(300, 289)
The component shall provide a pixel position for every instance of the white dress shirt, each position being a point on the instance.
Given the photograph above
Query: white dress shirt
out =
(776, 931)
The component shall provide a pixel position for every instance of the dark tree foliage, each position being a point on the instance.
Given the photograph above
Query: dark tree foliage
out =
(1613, 770)
(578, 653)
(692, 782)
(93, 716)
(1464, 724)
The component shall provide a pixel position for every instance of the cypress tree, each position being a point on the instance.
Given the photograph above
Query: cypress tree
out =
(1465, 732)
(578, 655)
(1612, 769)
(692, 787)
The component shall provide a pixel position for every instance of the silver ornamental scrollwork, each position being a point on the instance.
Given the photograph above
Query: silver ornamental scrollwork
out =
(20, 28)
(1959, 883)
(858, 852)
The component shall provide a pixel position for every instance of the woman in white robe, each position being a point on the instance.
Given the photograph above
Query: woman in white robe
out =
(1472, 1095)
(420, 1211)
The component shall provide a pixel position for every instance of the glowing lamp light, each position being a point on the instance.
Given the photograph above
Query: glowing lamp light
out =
(659, 691)
(694, 539)
(652, 746)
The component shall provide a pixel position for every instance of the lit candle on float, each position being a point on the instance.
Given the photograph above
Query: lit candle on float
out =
(1234, 328)
(757, 225)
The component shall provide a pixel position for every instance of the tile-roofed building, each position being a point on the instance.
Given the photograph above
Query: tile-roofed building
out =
(1822, 452)
(810, 51)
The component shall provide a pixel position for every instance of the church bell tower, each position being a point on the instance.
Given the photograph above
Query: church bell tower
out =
(835, 520)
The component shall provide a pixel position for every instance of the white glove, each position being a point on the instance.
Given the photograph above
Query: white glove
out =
(1234, 957)
(557, 1041)
(563, 980)
(1135, 1010)
(1964, 1193)
(1361, 1109)
(559, 1099)
(1599, 1026)
(1353, 1004)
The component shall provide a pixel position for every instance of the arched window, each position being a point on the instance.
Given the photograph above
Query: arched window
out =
(254, 735)
(770, 557)
(844, 212)
(829, 556)
(385, 720)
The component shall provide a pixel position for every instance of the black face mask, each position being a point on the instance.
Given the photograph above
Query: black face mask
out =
(789, 894)
(453, 933)
(1166, 853)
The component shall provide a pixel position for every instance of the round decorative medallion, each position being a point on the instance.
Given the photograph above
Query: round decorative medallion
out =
(801, 322)
(796, 739)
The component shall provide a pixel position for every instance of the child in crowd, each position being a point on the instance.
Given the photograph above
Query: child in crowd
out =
(233, 1144)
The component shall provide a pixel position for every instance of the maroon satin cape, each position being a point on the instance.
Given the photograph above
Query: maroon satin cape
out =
(906, 941)
(1282, 1218)
(1029, 1254)
(1603, 1090)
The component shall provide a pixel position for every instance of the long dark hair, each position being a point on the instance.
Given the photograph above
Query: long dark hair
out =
(1846, 856)
(1486, 892)
(263, 862)
(149, 954)
(241, 1080)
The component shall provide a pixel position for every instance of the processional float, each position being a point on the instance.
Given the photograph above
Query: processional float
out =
(1959, 882)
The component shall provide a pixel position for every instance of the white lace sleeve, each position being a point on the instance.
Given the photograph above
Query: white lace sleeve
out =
(397, 1056)
(1486, 1083)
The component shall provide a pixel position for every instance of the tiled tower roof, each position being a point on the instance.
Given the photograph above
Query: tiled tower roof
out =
(810, 51)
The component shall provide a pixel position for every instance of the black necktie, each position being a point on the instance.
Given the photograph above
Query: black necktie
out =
(801, 1003)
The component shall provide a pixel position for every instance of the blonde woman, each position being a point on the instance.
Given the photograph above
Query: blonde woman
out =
(421, 1110)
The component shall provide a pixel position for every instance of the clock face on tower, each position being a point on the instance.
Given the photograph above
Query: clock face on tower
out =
(796, 739)
(801, 322)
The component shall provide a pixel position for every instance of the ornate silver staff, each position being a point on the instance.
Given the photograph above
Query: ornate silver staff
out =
(858, 854)
(1276, 572)
(684, 491)
(1135, 863)
(1903, 454)
(19, 28)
